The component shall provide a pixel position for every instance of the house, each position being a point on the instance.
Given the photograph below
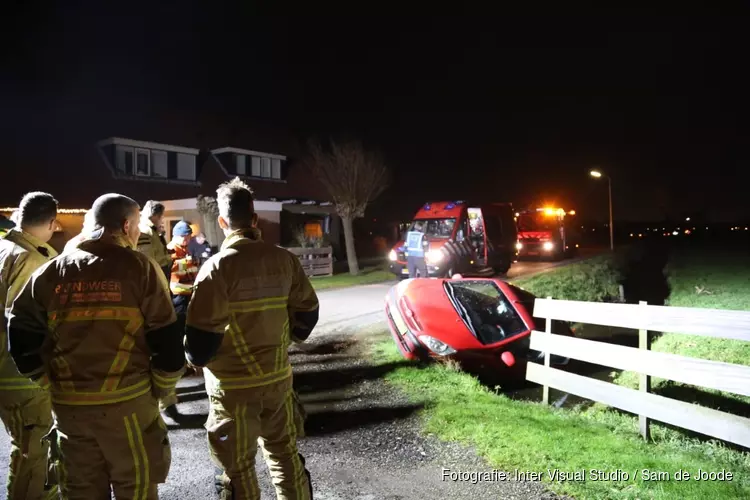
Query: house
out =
(288, 200)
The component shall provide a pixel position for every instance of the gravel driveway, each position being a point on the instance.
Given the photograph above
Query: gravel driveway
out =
(363, 440)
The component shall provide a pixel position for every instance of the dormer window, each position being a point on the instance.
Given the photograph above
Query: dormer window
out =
(148, 160)
(142, 162)
(236, 161)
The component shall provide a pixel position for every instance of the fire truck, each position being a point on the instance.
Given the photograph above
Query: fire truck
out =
(475, 239)
(547, 233)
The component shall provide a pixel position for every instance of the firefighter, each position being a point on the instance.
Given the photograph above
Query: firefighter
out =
(25, 405)
(150, 242)
(249, 302)
(415, 251)
(99, 323)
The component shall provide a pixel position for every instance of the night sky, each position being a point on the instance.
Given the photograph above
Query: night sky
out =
(490, 107)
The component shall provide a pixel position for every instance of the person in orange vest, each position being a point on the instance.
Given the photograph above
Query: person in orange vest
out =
(99, 324)
(25, 406)
(182, 276)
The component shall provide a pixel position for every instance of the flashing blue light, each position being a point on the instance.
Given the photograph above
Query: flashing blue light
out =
(450, 206)
(460, 202)
(427, 206)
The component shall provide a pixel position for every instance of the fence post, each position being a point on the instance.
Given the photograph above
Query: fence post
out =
(545, 388)
(644, 342)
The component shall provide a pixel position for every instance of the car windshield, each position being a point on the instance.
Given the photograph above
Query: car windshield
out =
(536, 222)
(485, 310)
(435, 228)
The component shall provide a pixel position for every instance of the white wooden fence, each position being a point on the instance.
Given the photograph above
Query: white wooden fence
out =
(315, 261)
(715, 323)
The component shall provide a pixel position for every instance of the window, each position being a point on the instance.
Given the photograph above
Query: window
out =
(185, 167)
(485, 310)
(276, 168)
(265, 167)
(124, 159)
(255, 166)
(435, 228)
(240, 164)
(159, 164)
(142, 164)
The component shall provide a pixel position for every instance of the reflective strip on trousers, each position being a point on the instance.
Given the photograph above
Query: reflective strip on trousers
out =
(76, 398)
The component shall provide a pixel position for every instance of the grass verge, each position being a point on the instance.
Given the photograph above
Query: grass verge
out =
(593, 280)
(367, 275)
(524, 435)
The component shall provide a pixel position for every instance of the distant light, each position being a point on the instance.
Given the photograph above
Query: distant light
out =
(631, 235)
(687, 231)
(572, 212)
(595, 173)
(706, 227)
(640, 236)
(675, 233)
(517, 214)
(687, 219)
(549, 211)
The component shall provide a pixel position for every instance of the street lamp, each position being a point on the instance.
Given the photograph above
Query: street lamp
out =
(597, 174)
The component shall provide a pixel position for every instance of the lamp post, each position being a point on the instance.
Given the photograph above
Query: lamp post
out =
(597, 174)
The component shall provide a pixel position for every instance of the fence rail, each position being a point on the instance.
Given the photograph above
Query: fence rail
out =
(694, 371)
(315, 261)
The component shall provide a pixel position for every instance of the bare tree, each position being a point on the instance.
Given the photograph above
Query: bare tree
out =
(353, 177)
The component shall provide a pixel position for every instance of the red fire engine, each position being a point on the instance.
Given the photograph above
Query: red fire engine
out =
(546, 233)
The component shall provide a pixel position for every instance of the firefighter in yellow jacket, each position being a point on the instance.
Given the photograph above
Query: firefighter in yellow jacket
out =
(249, 302)
(99, 323)
(150, 242)
(25, 407)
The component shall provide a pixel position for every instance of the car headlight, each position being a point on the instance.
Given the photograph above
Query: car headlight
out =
(392, 255)
(519, 245)
(434, 256)
(433, 344)
(548, 245)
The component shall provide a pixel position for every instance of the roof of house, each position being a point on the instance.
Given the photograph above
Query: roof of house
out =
(77, 176)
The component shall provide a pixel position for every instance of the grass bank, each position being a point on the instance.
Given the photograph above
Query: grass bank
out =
(594, 280)
(525, 435)
(367, 276)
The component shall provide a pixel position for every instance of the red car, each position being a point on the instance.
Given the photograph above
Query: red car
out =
(468, 319)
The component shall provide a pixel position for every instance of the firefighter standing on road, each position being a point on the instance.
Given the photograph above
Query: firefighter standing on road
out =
(249, 302)
(100, 323)
(25, 407)
(415, 249)
(150, 243)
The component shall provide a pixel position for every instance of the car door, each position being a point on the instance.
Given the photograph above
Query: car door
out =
(500, 230)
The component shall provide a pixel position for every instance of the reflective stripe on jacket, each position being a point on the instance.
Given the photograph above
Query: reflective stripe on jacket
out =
(20, 255)
(257, 295)
(96, 305)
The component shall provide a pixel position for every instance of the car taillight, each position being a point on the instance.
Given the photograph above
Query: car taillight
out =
(411, 318)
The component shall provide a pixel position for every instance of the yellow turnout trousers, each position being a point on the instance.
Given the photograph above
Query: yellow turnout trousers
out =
(27, 416)
(124, 445)
(237, 421)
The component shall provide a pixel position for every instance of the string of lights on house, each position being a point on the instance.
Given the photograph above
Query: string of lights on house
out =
(59, 210)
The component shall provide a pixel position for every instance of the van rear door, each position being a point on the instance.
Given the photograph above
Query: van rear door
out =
(501, 233)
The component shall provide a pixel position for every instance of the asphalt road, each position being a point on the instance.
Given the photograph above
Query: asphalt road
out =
(363, 440)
